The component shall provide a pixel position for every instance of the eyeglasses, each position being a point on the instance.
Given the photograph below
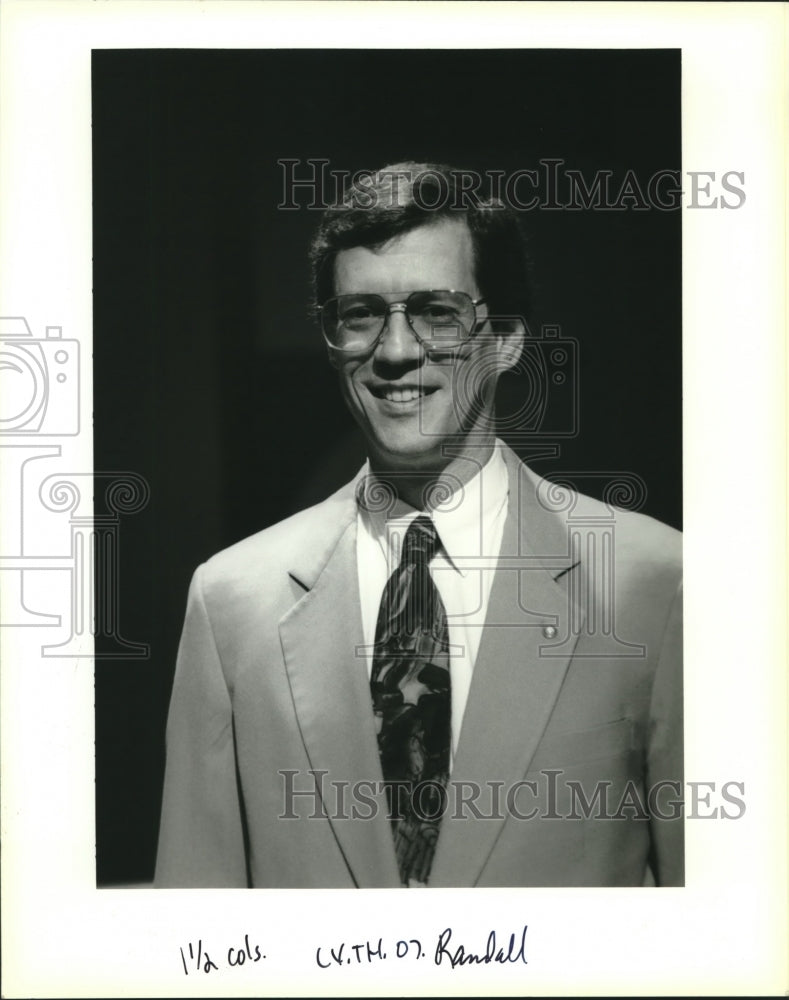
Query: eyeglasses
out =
(440, 320)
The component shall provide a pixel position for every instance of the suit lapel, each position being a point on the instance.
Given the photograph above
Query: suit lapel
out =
(331, 693)
(515, 684)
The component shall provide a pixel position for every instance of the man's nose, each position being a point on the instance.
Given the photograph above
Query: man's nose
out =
(398, 344)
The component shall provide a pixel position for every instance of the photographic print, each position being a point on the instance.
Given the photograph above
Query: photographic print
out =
(264, 225)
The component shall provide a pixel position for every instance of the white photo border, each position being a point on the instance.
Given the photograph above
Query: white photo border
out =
(726, 931)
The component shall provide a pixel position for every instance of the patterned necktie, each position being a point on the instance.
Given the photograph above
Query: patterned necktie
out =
(411, 701)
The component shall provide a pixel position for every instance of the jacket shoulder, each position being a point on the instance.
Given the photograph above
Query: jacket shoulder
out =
(639, 539)
(272, 549)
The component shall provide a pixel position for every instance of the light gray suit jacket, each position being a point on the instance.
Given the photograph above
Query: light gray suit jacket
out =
(568, 770)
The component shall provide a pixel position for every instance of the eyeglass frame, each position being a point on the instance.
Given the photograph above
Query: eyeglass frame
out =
(402, 306)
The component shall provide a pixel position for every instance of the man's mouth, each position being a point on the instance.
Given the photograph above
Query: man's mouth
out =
(401, 394)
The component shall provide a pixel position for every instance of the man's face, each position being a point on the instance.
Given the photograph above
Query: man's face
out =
(408, 404)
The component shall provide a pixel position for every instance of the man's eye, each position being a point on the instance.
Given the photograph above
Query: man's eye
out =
(356, 313)
(438, 313)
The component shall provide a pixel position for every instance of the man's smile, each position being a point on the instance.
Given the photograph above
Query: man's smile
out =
(400, 393)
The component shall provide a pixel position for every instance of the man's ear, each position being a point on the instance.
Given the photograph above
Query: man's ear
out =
(510, 334)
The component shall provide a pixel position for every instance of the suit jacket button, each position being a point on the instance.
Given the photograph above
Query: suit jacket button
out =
(549, 631)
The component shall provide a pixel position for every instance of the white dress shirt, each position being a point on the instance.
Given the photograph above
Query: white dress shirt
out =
(470, 526)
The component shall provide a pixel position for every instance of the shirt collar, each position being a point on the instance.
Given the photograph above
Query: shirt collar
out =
(463, 521)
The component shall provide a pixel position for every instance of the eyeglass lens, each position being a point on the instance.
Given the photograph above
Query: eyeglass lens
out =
(439, 318)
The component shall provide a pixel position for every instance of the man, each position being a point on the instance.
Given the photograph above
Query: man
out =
(439, 676)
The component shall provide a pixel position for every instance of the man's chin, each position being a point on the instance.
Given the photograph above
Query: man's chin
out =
(411, 453)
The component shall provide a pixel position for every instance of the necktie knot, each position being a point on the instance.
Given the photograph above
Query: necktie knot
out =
(421, 541)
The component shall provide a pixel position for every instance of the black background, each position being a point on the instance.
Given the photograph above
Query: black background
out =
(210, 379)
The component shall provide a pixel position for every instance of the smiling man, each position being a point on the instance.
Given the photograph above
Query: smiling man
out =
(435, 677)
(408, 410)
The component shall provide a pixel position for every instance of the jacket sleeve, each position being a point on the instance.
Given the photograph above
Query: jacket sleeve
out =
(665, 771)
(201, 838)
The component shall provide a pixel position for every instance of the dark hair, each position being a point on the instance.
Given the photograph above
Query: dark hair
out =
(403, 196)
